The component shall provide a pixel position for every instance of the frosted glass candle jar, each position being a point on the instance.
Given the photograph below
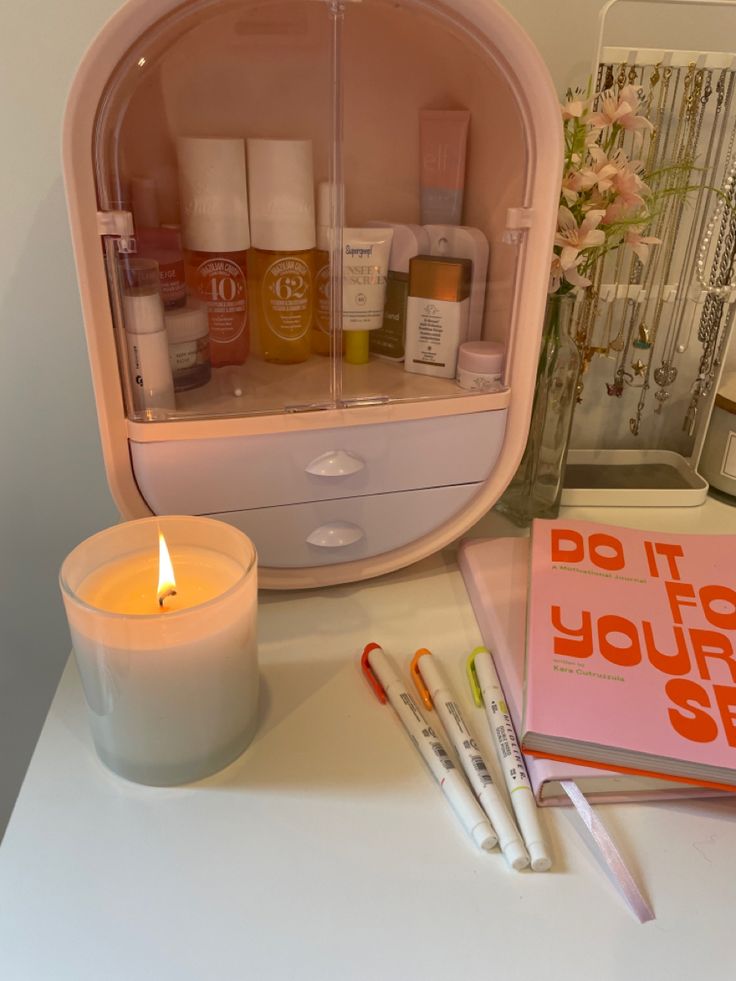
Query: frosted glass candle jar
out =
(172, 690)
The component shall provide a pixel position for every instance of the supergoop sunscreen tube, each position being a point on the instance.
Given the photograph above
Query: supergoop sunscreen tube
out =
(365, 253)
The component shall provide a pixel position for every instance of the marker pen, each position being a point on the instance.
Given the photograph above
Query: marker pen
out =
(387, 685)
(434, 691)
(510, 758)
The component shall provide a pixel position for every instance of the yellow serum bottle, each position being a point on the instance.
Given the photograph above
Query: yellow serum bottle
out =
(283, 236)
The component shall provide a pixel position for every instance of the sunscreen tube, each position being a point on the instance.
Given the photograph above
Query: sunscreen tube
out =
(471, 760)
(511, 760)
(365, 253)
(432, 751)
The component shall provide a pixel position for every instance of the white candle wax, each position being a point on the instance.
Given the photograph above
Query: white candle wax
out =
(129, 584)
(173, 691)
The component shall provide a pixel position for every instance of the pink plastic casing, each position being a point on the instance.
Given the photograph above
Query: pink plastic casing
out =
(512, 187)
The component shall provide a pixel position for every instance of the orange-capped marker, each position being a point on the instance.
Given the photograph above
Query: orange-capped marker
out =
(482, 672)
(416, 676)
(428, 678)
(387, 686)
(370, 676)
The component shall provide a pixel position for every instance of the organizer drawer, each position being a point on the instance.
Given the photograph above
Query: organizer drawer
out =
(328, 532)
(213, 475)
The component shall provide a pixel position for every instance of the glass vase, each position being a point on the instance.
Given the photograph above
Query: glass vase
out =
(536, 487)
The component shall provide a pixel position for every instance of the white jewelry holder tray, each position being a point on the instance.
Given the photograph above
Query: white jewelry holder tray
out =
(623, 474)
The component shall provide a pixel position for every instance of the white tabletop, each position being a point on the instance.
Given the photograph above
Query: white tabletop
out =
(326, 851)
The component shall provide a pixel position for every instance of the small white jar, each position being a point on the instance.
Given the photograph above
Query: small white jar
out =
(480, 366)
(189, 345)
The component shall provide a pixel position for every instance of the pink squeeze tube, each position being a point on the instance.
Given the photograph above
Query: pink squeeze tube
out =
(443, 137)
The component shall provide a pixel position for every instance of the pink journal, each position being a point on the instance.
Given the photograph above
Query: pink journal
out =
(496, 574)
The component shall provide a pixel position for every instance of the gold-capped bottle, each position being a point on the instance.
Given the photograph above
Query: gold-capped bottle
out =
(280, 175)
(437, 312)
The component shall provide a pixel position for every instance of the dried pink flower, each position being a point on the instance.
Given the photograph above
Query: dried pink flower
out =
(640, 243)
(604, 200)
(573, 108)
(602, 172)
(619, 108)
(573, 238)
(571, 275)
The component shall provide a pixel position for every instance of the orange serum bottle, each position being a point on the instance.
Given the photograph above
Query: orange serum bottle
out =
(280, 175)
(216, 233)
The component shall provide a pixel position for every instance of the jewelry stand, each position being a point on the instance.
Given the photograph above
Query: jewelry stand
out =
(653, 335)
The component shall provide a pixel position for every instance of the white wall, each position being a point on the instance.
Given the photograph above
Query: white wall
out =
(53, 491)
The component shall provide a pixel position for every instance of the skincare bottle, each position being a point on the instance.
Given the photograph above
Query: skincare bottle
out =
(365, 253)
(159, 242)
(409, 240)
(443, 137)
(437, 314)
(463, 242)
(189, 345)
(214, 205)
(480, 366)
(321, 324)
(280, 175)
(145, 333)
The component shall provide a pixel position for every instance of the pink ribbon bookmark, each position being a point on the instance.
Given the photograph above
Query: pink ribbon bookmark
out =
(609, 853)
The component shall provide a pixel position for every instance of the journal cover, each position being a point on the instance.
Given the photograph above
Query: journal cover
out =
(496, 573)
(630, 658)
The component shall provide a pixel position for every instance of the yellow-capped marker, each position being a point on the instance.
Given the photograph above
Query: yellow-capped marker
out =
(487, 691)
(433, 688)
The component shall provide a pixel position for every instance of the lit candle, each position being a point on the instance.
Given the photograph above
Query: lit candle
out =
(146, 583)
(165, 642)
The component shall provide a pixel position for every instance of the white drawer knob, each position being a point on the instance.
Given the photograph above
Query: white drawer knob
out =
(337, 534)
(335, 463)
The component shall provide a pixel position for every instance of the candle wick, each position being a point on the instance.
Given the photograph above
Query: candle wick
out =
(163, 596)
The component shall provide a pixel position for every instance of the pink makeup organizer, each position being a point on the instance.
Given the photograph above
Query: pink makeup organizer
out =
(337, 472)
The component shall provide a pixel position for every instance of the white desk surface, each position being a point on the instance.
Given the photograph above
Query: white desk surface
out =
(327, 852)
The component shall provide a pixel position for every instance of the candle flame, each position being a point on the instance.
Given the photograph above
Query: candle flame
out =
(166, 579)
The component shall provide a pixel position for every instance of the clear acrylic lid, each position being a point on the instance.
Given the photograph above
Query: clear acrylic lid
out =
(396, 103)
